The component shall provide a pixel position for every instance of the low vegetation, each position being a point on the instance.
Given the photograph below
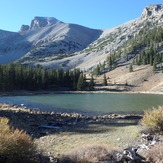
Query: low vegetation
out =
(15, 145)
(153, 119)
(155, 154)
(108, 132)
(89, 154)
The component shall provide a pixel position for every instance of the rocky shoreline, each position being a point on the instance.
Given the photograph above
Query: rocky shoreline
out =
(38, 123)
(21, 93)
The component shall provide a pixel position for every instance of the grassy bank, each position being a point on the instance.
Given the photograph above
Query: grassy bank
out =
(118, 134)
(72, 130)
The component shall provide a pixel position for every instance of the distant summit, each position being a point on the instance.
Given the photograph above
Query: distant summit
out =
(153, 10)
(39, 22)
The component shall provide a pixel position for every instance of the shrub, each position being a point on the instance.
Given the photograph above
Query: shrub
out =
(89, 154)
(153, 119)
(15, 145)
(4, 121)
(155, 154)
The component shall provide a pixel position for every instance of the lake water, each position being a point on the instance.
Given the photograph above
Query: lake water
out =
(102, 103)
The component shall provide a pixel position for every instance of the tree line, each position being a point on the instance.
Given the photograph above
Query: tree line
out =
(152, 40)
(147, 43)
(25, 77)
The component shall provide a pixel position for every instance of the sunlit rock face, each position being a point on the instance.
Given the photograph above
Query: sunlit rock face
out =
(152, 10)
(39, 22)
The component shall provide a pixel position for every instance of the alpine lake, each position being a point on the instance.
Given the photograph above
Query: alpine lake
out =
(88, 103)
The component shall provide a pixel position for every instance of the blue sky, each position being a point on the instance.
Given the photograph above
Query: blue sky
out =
(98, 14)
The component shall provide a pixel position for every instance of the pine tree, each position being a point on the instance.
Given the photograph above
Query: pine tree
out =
(154, 66)
(75, 77)
(151, 59)
(10, 70)
(60, 73)
(103, 66)
(134, 62)
(1, 78)
(109, 62)
(131, 68)
(104, 81)
(81, 85)
(6, 79)
(137, 61)
(44, 78)
(91, 84)
(97, 71)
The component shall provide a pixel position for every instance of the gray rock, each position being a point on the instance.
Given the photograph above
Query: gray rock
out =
(39, 22)
(152, 10)
(24, 28)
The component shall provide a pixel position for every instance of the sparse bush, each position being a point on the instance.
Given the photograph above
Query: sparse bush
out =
(15, 145)
(155, 154)
(89, 154)
(153, 119)
(4, 121)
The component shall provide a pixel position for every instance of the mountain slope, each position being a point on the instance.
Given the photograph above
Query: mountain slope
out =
(118, 40)
(45, 37)
(12, 46)
(52, 43)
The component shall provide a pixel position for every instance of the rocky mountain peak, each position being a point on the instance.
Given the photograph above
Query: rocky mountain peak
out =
(39, 22)
(153, 10)
(24, 28)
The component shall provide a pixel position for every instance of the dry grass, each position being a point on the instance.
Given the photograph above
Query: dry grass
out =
(155, 154)
(15, 145)
(113, 134)
(142, 79)
(4, 121)
(153, 120)
(116, 132)
(90, 154)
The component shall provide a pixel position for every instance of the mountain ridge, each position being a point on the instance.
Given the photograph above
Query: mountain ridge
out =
(44, 31)
(50, 42)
